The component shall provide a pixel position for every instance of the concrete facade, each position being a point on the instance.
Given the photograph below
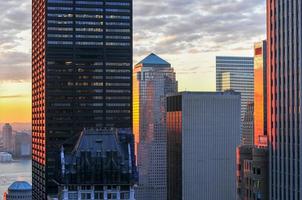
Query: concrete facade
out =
(203, 132)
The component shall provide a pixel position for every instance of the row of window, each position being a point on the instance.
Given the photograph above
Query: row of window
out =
(109, 64)
(95, 84)
(91, 23)
(90, 2)
(94, 98)
(84, 43)
(88, 16)
(98, 195)
(91, 104)
(88, 29)
(81, 70)
(115, 37)
(89, 9)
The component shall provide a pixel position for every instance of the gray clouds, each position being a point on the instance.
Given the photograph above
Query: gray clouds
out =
(166, 27)
(196, 26)
(15, 66)
(15, 18)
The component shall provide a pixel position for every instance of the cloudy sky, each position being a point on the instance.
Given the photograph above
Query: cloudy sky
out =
(187, 33)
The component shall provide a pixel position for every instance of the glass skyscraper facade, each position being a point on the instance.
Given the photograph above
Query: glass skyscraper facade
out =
(260, 99)
(284, 67)
(248, 126)
(153, 79)
(236, 73)
(81, 76)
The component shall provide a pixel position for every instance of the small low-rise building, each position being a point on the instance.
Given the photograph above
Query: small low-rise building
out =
(5, 157)
(22, 145)
(252, 173)
(19, 190)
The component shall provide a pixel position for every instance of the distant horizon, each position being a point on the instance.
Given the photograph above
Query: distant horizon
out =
(17, 126)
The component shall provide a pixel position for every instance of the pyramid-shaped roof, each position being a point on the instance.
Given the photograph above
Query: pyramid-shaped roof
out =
(154, 59)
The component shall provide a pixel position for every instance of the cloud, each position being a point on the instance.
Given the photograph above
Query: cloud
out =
(169, 27)
(12, 96)
(15, 17)
(194, 26)
(15, 66)
(14, 59)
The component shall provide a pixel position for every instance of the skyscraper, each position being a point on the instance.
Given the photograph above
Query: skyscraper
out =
(153, 79)
(201, 145)
(236, 73)
(81, 76)
(7, 135)
(248, 126)
(260, 132)
(284, 66)
(252, 155)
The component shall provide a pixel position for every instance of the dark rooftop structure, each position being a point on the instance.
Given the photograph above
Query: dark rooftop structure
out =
(18, 190)
(19, 185)
(100, 157)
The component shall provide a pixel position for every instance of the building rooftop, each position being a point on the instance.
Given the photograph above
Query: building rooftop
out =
(235, 57)
(20, 185)
(228, 92)
(96, 141)
(97, 155)
(153, 59)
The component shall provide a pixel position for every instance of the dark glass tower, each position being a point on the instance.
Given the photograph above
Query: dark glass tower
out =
(82, 76)
(284, 98)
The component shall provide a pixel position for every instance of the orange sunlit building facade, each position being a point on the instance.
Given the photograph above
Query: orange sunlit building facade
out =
(260, 131)
(252, 157)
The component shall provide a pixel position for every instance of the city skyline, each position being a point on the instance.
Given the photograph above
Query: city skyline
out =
(160, 100)
(194, 47)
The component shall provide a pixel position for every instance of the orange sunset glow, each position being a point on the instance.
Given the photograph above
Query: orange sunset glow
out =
(15, 102)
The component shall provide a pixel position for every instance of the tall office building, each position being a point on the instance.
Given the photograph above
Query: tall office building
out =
(260, 128)
(153, 79)
(284, 98)
(7, 137)
(252, 155)
(236, 73)
(203, 132)
(248, 126)
(81, 76)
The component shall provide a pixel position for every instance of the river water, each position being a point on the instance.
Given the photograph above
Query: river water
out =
(14, 171)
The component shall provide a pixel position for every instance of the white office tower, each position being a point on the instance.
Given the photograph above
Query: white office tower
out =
(236, 73)
(153, 79)
(203, 133)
